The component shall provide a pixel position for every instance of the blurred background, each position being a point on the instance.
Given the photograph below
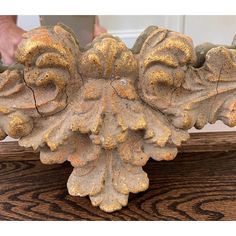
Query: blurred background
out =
(214, 29)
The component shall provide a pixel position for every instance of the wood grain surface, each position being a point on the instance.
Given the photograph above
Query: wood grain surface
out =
(195, 186)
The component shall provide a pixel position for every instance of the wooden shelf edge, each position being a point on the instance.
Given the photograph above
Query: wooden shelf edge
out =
(198, 142)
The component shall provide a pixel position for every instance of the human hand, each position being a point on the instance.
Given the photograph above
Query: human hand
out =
(10, 37)
(98, 29)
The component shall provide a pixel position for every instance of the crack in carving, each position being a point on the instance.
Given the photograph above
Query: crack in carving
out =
(111, 81)
(35, 102)
(217, 92)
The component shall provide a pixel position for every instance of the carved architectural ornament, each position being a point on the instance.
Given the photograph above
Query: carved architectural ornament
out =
(107, 109)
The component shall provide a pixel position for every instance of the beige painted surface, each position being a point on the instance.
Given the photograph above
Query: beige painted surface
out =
(216, 29)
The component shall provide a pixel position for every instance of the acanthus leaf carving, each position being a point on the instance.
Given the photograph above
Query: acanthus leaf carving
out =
(171, 83)
(107, 109)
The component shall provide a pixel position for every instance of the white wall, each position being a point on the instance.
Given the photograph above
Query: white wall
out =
(129, 27)
(216, 29)
(28, 22)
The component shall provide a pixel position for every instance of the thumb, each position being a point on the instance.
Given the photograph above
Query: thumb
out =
(6, 60)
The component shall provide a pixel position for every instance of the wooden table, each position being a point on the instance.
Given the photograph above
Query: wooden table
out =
(200, 184)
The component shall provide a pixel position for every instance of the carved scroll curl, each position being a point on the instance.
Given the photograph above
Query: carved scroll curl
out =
(107, 109)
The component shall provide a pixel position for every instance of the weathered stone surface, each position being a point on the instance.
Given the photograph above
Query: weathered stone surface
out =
(107, 109)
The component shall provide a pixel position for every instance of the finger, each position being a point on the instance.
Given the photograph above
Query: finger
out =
(7, 60)
(99, 30)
